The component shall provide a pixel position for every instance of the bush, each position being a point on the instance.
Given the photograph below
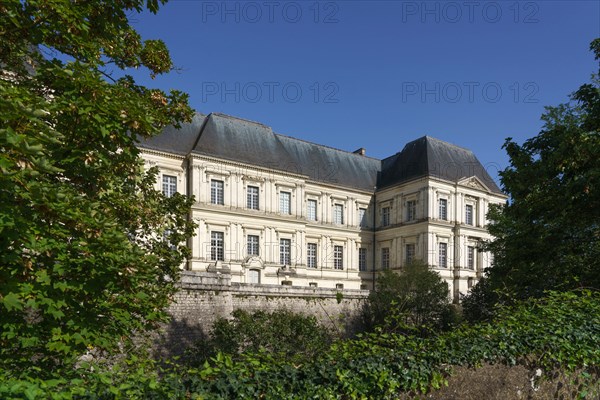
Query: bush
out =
(415, 300)
(282, 334)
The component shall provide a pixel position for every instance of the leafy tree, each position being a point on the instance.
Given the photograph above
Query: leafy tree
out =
(416, 299)
(89, 251)
(548, 235)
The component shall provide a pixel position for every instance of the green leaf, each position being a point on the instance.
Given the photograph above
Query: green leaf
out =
(12, 302)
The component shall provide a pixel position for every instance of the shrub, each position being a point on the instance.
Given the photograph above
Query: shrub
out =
(282, 334)
(414, 300)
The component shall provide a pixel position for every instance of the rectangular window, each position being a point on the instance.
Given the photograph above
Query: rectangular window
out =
(385, 258)
(253, 245)
(285, 256)
(311, 255)
(362, 217)
(252, 198)
(216, 246)
(284, 202)
(338, 214)
(471, 257)
(469, 214)
(216, 192)
(338, 257)
(443, 253)
(362, 259)
(385, 216)
(410, 253)
(411, 210)
(443, 209)
(253, 276)
(312, 284)
(311, 210)
(169, 185)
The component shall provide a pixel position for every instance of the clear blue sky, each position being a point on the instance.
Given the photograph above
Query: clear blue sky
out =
(377, 74)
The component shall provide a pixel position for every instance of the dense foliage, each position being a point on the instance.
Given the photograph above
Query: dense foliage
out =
(559, 332)
(413, 300)
(89, 250)
(282, 334)
(548, 236)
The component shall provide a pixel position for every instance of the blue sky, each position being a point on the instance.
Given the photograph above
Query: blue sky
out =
(378, 74)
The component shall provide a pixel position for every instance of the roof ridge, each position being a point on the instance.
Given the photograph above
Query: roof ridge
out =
(239, 119)
(426, 137)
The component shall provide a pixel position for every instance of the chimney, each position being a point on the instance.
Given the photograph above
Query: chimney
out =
(360, 151)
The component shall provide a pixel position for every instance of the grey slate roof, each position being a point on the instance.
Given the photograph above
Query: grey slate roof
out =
(428, 156)
(239, 140)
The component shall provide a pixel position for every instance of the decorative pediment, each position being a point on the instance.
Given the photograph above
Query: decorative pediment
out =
(475, 183)
(253, 262)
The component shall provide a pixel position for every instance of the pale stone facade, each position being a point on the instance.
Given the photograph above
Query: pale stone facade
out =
(307, 222)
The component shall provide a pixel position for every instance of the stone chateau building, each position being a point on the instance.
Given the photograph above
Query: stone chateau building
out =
(277, 210)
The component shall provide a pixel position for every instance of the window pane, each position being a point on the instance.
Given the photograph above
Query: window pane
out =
(469, 214)
(284, 202)
(385, 258)
(285, 251)
(169, 185)
(311, 212)
(410, 252)
(253, 276)
(362, 259)
(338, 257)
(443, 249)
(385, 216)
(338, 214)
(216, 192)
(252, 198)
(471, 257)
(411, 210)
(311, 255)
(253, 245)
(216, 246)
(362, 217)
(443, 212)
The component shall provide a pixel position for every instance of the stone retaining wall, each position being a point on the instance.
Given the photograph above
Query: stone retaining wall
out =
(206, 296)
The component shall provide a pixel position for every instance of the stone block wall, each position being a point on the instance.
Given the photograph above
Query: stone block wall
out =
(205, 296)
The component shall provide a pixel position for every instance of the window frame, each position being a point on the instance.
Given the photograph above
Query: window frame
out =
(338, 257)
(253, 197)
(362, 217)
(311, 255)
(253, 246)
(217, 246)
(338, 214)
(169, 185)
(285, 202)
(443, 255)
(217, 192)
(411, 210)
(471, 257)
(385, 258)
(362, 258)
(386, 216)
(254, 273)
(443, 209)
(410, 255)
(285, 252)
(311, 212)
(469, 214)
